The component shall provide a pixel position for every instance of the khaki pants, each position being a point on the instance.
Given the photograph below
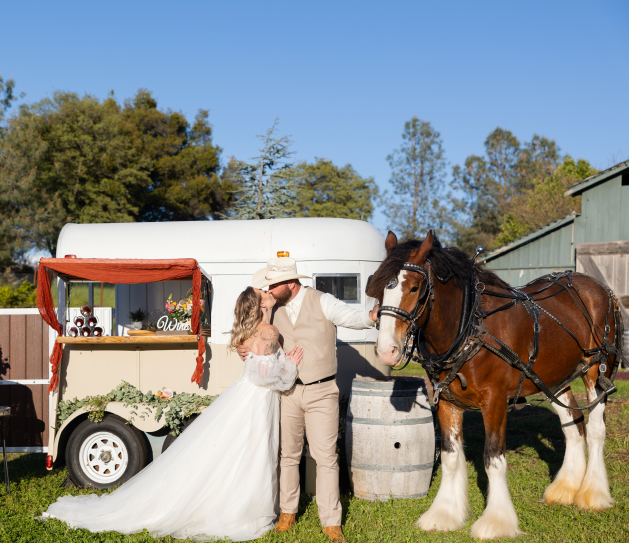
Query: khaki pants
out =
(315, 408)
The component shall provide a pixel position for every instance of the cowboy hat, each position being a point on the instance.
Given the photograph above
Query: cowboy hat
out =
(277, 270)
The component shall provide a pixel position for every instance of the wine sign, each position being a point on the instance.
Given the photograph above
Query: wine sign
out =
(164, 323)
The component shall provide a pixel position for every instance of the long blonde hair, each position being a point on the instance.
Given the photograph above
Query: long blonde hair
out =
(247, 316)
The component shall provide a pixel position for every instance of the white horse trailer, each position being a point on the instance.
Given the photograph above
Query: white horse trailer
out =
(339, 255)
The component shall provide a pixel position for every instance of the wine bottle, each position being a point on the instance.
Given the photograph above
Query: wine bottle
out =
(73, 332)
(86, 310)
(86, 331)
(92, 321)
(79, 321)
(97, 331)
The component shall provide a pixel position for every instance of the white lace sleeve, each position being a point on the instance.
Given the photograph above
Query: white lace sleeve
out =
(274, 371)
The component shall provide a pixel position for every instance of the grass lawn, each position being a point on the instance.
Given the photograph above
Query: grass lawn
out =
(535, 451)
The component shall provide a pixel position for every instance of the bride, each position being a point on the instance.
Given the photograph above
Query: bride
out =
(219, 478)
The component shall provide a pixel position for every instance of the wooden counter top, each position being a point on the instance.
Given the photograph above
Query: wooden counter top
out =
(117, 340)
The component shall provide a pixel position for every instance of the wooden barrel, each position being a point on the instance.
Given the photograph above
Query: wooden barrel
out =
(389, 438)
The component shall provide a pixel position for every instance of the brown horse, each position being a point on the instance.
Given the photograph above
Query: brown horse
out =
(423, 286)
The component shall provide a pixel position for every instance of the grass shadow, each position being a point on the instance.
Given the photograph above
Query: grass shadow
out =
(27, 467)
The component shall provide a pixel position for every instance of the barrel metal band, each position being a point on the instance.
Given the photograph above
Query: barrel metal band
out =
(377, 497)
(389, 422)
(375, 467)
(394, 393)
(389, 385)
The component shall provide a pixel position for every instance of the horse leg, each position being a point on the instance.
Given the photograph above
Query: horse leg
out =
(450, 508)
(568, 481)
(499, 518)
(594, 491)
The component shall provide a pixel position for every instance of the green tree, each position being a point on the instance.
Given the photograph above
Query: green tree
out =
(82, 160)
(325, 190)
(24, 295)
(7, 97)
(266, 184)
(417, 182)
(545, 201)
(487, 184)
(183, 174)
(28, 215)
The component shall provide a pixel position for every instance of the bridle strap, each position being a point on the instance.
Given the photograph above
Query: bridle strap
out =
(427, 294)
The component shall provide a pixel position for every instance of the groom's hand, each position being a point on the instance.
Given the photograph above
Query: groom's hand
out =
(373, 314)
(242, 351)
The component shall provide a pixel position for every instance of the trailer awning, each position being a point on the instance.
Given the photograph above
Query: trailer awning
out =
(122, 271)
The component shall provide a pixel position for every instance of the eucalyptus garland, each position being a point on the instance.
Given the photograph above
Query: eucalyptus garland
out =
(181, 405)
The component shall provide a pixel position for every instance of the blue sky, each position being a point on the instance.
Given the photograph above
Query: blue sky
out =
(344, 76)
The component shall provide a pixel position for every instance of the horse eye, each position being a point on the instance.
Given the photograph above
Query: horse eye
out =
(414, 289)
(392, 284)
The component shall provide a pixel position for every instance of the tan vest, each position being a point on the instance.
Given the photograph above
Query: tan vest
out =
(315, 333)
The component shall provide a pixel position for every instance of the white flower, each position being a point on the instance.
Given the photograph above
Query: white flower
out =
(167, 393)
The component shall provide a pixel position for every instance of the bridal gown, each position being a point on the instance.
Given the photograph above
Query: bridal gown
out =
(217, 480)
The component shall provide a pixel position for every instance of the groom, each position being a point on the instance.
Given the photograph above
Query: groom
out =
(309, 318)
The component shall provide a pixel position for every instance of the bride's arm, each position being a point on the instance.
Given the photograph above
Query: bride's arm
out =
(273, 368)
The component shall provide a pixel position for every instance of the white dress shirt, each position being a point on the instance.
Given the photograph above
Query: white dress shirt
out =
(336, 311)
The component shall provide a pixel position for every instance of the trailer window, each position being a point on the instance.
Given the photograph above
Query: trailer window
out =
(345, 286)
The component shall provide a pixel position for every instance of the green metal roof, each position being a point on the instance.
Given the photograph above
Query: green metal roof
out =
(596, 179)
(528, 238)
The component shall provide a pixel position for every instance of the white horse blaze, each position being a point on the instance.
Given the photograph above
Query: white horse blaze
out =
(450, 509)
(499, 519)
(386, 334)
(568, 481)
(594, 492)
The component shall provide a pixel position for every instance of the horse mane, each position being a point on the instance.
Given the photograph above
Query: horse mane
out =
(445, 262)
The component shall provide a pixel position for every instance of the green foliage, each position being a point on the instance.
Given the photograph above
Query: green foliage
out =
(24, 295)
(489, 183)
(180, 406)
(265, 185)
(325, 190)
(7, 97)
(417, 181)
(137, 316)
(75, 159)
(544, 202)
(28, 215)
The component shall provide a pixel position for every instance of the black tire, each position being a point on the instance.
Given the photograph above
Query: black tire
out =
(114, 440)
(171, 438)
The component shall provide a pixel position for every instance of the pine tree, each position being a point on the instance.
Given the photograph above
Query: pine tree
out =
(267, 183)
(418, 182)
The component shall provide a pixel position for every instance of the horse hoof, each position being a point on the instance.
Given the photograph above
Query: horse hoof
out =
(440, 521)
(494, 526)
(592, 498)
(560, 492)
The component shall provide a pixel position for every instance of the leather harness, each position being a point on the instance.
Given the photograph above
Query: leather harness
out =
(472, 335)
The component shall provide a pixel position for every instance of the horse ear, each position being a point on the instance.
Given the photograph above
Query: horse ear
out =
(391, 241)
(419, 255)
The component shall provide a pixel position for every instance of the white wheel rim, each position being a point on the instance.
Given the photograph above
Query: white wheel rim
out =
(103, 457)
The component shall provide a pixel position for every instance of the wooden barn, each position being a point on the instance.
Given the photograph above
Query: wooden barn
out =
(595, 242)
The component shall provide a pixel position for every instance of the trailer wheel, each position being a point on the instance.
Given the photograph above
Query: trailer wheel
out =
(105, 454)
(171, 438)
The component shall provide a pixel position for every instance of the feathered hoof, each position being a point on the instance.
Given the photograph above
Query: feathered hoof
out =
(496, 526)
(561, 492)
(593, 497)
(441, 519)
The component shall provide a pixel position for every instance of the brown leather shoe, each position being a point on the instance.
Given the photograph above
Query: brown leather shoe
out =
(334, 533)
(286, 522)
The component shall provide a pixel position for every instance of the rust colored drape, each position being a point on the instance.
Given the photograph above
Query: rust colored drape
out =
(117, 271)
